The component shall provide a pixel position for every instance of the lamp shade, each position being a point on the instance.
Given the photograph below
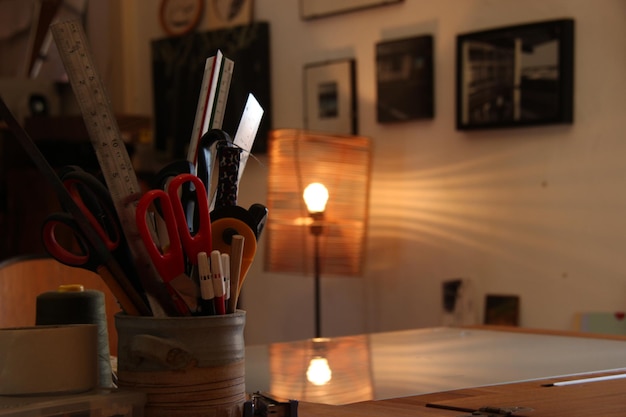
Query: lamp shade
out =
(342, 164)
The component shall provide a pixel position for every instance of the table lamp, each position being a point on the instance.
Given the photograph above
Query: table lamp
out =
(318, 194)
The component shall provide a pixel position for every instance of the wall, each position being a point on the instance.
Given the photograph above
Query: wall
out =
(538, 212)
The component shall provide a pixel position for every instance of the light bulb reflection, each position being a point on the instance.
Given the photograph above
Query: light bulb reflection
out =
(316, 196)
(319, 372)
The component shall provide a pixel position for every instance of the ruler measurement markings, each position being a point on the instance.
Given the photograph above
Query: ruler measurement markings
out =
(110, 150)
(203, 99)
(91, 100)
(95, 108)
(213, 92)
(222, 95)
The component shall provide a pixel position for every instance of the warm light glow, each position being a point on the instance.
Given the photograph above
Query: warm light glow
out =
(315, 196)
(348, 356)
(343, 164)
(319, 372)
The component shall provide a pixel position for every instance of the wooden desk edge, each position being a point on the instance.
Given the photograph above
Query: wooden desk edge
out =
(418, 404)
(549, 332)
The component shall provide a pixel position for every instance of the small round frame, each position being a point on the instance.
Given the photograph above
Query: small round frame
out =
(179, 17)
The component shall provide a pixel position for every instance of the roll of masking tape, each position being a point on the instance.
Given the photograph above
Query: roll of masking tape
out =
(48, 359)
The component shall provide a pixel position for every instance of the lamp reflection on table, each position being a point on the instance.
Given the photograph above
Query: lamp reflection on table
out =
(331, 371)
(401, 363)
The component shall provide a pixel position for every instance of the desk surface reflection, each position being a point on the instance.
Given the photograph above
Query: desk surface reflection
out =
(411, 362)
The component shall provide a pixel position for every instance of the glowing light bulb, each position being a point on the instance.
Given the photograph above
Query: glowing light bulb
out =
(316, 196)
(319, 372)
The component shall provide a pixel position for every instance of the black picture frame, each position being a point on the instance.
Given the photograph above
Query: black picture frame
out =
(177, 70)
(405, 79)
(502, 310)
(330, 97)
(520, 75)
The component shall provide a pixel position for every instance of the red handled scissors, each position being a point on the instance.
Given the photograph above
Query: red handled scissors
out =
(169, 260)
(73, 248)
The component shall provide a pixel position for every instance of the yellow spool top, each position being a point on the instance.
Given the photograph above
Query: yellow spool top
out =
(71, 288)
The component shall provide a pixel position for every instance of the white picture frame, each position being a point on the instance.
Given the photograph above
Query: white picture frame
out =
(330, 98)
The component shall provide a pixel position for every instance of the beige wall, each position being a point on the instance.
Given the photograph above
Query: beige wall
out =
(539, 212)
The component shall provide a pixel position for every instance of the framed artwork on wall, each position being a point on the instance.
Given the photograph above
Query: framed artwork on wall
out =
(404, 79)
(515, 76)
(503, 310)
(330, 98)
(312, 9)
(177, 70)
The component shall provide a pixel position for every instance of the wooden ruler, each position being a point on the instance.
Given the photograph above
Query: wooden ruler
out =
(111, 152)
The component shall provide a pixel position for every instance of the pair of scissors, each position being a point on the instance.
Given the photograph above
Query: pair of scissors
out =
(66, 241)
(169, 259)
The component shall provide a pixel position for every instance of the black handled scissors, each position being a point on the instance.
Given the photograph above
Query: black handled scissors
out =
(65, 240)
(202, 169)
(110, 270)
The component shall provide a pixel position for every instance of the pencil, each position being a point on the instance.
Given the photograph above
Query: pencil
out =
(236, 256)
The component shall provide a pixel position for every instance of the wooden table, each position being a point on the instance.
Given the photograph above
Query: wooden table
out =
(606, 399)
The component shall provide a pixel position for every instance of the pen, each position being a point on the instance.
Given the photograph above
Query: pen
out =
(206, 286)
(585, 380)
(226, 269)
(217, 273)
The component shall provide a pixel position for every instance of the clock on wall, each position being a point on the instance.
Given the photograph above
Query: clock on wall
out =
(179, 17)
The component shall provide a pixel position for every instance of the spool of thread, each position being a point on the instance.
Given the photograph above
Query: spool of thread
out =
(72, 304)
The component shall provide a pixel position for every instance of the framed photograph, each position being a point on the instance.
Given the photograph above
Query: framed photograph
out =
(312, 9)
(330, 99)
(516, 76)
(404, 79)
(502, 310)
